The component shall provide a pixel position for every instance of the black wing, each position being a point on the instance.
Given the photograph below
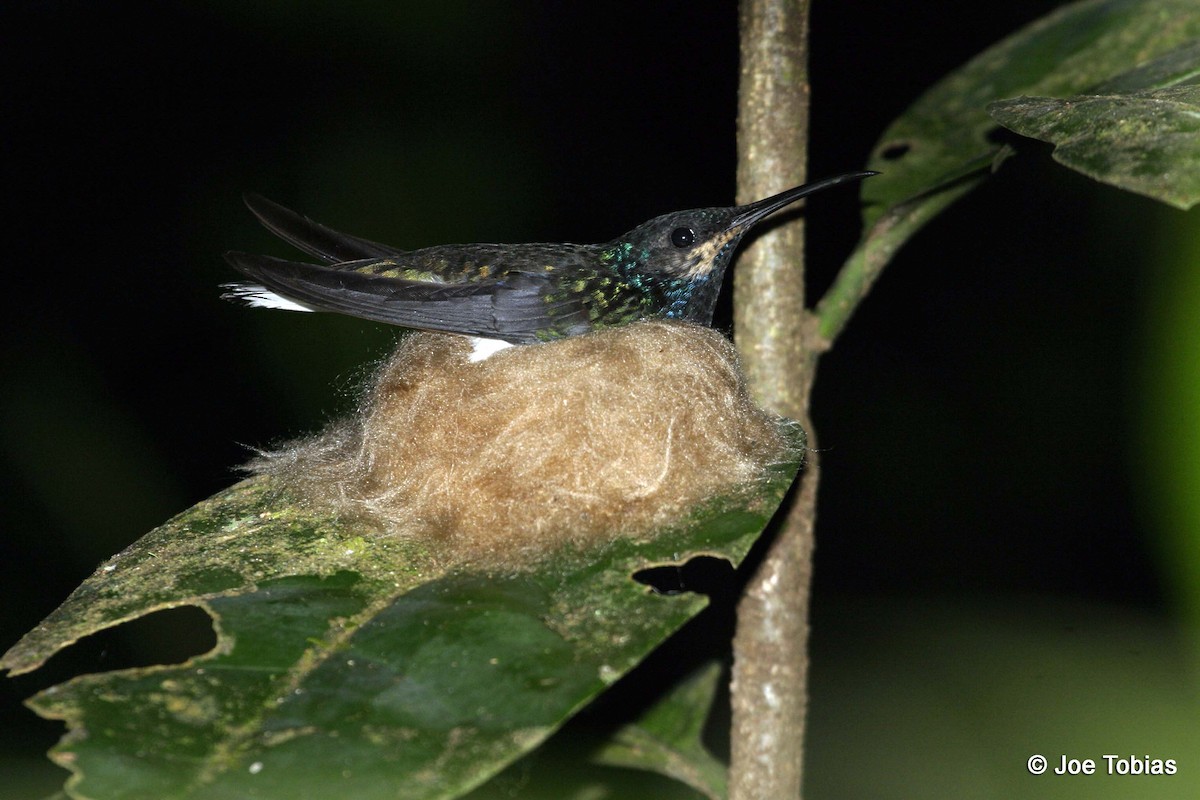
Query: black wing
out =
(312, 237)
(520, 307)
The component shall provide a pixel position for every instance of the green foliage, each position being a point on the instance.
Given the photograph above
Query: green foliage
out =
(946, 133)
(943, 146)
(1139, 131)
(668, 738)
(348, 661)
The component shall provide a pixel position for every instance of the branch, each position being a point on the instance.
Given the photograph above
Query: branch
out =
(771, 323)
(779, 344)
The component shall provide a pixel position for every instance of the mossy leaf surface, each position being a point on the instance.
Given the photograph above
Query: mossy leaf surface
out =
(1139, 131)
(352, 662)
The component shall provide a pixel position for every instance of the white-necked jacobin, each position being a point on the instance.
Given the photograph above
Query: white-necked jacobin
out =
(669, 267)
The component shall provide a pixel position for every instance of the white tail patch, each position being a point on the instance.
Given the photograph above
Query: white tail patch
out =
(482, 349)
(256, 296)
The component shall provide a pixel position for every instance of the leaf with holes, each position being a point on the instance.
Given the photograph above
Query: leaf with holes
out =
(348, 663)
(942, 145)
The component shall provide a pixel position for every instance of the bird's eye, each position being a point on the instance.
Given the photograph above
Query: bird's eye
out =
(683, 237)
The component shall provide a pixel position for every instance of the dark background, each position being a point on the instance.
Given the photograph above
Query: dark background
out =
(982, 420)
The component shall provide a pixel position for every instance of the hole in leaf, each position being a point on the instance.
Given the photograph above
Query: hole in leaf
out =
(894, 151)
(707, 575)
(171, 636)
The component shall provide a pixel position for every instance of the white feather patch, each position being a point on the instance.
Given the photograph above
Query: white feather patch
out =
(485, 348)
(255, 296)
(261, 297)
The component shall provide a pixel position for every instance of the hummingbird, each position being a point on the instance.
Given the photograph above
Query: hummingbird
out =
(502, 294)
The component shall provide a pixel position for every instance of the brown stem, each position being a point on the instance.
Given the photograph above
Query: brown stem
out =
(769, 315)
(770, 671)
(779, 343)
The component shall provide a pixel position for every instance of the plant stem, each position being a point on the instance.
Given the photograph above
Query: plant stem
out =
(879, 245)
(779, 344)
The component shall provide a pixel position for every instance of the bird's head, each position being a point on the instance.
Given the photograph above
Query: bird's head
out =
(689, 250)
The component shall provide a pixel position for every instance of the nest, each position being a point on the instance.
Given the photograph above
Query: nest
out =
(578, 441)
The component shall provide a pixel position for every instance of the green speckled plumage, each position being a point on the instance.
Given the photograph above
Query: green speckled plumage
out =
(670, 266)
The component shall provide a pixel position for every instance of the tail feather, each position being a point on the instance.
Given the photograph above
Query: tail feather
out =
(255, 296)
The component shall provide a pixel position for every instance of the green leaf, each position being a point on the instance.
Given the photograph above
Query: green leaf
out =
(941, 147)
(1139, 131)
(668, 738)
(945, 132)
(347, 662)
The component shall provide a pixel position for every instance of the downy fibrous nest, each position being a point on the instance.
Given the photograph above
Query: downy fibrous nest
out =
(577, 441)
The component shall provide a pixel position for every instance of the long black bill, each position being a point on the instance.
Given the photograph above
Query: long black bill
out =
(753, 212)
